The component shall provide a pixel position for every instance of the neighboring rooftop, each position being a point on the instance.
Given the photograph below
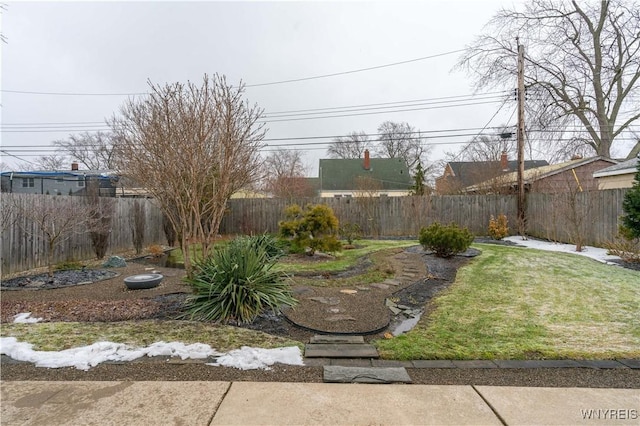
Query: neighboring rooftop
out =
(623, 168)
(341, 174)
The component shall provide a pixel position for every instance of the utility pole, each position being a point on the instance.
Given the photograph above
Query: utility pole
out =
(520, 137)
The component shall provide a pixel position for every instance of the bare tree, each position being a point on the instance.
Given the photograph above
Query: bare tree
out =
(350, 146)
(3, 7)
(51, 162)
(93, 150)
(191, 147)
(285, 172)
(582, 66)
(99, 216)
(490, 147)
(400, 140)
(53, 220)
(7, 213)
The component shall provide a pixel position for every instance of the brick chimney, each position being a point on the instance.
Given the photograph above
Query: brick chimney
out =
(504, 162)
(74, 167)
(367, 160)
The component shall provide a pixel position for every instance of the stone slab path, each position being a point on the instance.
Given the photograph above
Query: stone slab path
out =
(338, 374)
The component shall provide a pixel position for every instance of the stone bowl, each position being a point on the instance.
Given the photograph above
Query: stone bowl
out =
(142, 281)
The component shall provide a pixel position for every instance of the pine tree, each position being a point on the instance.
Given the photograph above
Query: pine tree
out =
(631, 206)
(418, 185)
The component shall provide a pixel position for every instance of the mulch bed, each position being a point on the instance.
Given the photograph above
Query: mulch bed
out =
(109, 300)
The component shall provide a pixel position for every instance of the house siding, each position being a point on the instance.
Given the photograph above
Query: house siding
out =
(615, 182)
(563, 181)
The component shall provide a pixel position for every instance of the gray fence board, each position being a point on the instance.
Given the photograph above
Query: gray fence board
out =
(384, 217)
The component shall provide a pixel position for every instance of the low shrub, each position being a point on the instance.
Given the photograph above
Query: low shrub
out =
(350, 232)
(445, 241)
(625, 245)
(68, 265)
(237, 282)
(156, 250)
(498, 228)
(311, 229)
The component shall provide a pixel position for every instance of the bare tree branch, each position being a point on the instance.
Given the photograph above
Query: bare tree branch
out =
(191, 147)
(285, 172)
(95, 151)
(583, 56)
(351, 146)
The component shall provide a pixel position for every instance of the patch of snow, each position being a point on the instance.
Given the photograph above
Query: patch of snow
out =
(247, 358)
(25, 318)
(596, 253)
(85, 357)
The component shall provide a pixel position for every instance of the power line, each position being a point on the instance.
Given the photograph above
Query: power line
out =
(496, 98)
(265, 120)
(357, 70)
(27, 92)
(503, 92)
(97, 125)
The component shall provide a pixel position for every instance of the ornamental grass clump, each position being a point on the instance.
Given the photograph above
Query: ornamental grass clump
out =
(445, 241)
(236, 283)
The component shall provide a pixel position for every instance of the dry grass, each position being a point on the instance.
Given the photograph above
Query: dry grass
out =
(64, 335)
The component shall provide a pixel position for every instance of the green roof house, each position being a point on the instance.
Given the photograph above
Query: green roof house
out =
(366, 176)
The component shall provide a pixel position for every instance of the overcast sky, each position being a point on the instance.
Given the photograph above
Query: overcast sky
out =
(105, 51)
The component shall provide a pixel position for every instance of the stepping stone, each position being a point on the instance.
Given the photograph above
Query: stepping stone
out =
(380, 286)
(408, 274)
(380, 375)
(363, 288)
(347, 291)
(336, 318)
(395, 310)
(326, 300)
(330, 338)
(392, 282)
(340, 350)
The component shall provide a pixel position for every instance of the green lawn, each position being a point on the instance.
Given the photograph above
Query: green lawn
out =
(343, 259)
(514, 303)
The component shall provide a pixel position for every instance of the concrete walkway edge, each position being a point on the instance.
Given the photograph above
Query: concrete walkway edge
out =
(213, 403)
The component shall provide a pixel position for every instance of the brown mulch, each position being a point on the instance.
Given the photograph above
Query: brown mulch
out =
(107, 300)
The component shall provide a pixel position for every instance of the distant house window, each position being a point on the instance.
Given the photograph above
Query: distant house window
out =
(337, 196)
(81, 183)
(28, 183)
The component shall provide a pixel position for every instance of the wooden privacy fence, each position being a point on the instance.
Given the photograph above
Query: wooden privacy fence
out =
(24, 245)
(556, 217)
(383, 216)
(559, 217)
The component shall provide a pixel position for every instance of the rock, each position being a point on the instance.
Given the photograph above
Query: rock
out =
(347, 291)
(339, 374)
(326, 300)
(395, 310)
(335, 318)
(380, 286)
(115, 262)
